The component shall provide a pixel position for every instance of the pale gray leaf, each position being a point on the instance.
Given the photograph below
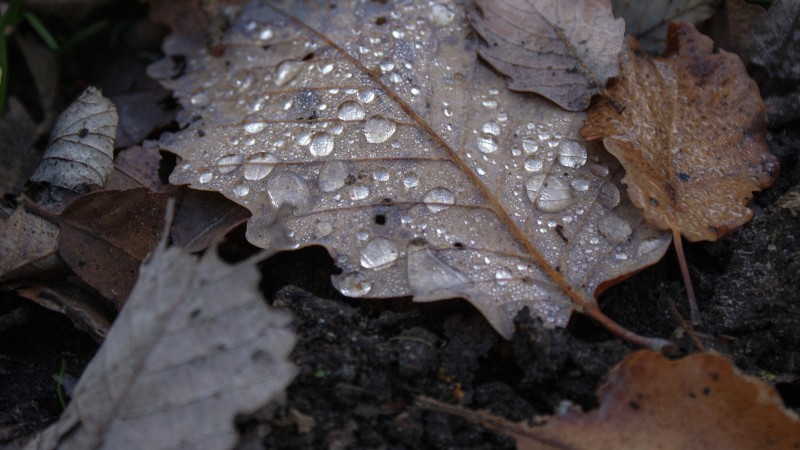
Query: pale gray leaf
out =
(775, 40)
(647, 19)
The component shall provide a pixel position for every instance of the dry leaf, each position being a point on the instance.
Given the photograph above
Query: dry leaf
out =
(27, 244)
(81, 149)
(563, 50)
(87, 311)
(406, 157)
(691, 135)
(137, 167)
(647, 20)
(194, 346)
(731, 24)
(202, 218)
(775, 40)
(18, 160)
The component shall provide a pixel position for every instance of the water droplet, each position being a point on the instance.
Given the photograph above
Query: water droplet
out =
(580, 184)
(534, 165)
(200, 99)
(502, 276)
(266, 34)
(241, 190)
(205, 177)
(438, 199)
(366, 96)
(229, 163)
(486, 144)
(572, 154)
(288, 188)
(321, 144)
(599, 170)
(410, 180)
(303, 138)
(359, 192)
(609, 195)
(351, 110)
(379, 129)
(253, 124)
(554, 194)
(381, 175)
(332, 175)
(491, 128)
(326, 69)
(441, 15)
(379, 253)
(614, 228)
(491, 104)
(258, 166)
(529, 146)
(354, 284)
(398, 34)
(323, 229)
(387, 66)
(649, 246)
(286, 71)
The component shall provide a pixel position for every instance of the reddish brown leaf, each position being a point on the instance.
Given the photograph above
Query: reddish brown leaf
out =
(106, 235)
(203, 218)
(87, 312)
(136, 167)
(689, 129)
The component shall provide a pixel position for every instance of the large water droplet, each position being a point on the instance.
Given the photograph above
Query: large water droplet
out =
(323, 229)
(609, 195)
(359, 192)
(379, 129)
(431, 278)
(550, 195)
(241, 190)
(486, 144)
(572, 154)
(529, 146)
(253, 123)
(229, 163)
(580, 184)
(258, 166)
(205, 177)
(379, 253)
(366, 96)
(410, 180)
(288, 188)
(438, 199)
(491, 128)
(286, 71)
(534, 165)
(332, 175)
(354, 284)
(321, 144)
(441, 15)
(351, 110)
(614, 228)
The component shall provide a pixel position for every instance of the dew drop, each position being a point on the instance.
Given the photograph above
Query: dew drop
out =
(529, 146)
(205, 177)
(438, 199)
(609, 195)
(486, 144)
(572, 154)
(491, 104)
(366, 96)
(614, 228)
(200, 99)
(288, 188)
(303, 138)
(491, 128)
(287, 71)
(379, 129)
(266, 34)
(387, 66)
(229, 163)
(379, 253)
(410, 180)
(502, 276)
(554, 194)
(398, 34)
(241, 190)
(253, 124)
(351, 110)
(258, 166)
(359, 192)
(354, 284)
(321, 144)
(441, 15)
(534, 165)
(599, 170)
(332, 175)
(323, 229)
(381, 175)
(580, 184)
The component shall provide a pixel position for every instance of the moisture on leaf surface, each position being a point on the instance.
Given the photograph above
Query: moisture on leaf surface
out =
(691, 135)
(397, 149)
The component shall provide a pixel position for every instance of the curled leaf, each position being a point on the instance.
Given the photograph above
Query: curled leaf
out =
(563, 50)
(691, 135)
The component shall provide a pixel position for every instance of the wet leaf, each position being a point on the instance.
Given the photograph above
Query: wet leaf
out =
(81, 149)
(27, 244)
(692, 135)
(194, 346)
(649, 402)
(647, 21)
(731, 24)
(203, 218)
(775, 40)
(563, 50)
(87, 312)
(405, 156)
(136, 167)
(18, 160)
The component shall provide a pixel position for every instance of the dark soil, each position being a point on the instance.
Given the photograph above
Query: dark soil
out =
(362, 363)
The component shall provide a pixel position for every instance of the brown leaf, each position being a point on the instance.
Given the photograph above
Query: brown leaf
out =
(405, 156)
(649, 402)
(27, 244)
(202, 218)
(87, 312)
(106, 235)
(691, 135)
(775, 40)
(134, 167)
(18, 160)
(731, 24)
(563, 50)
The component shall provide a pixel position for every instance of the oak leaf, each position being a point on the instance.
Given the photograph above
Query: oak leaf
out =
(399, 151)
(691, 135)
(563, 50)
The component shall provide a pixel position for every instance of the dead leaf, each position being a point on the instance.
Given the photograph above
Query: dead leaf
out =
(179, 15)
(563, 50)
(106, 235)
(81, 149)
(775, 40)
(647, 20)
(649, 402)
(194, 346)
(87, 312)
(18, 160)
(202, 218)
(731, 24)
(27, 244)
(406, 157)
(692, 135)
(134, 167)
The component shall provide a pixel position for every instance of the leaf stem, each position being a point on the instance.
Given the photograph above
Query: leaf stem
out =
(60, 384)
(694, 311)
